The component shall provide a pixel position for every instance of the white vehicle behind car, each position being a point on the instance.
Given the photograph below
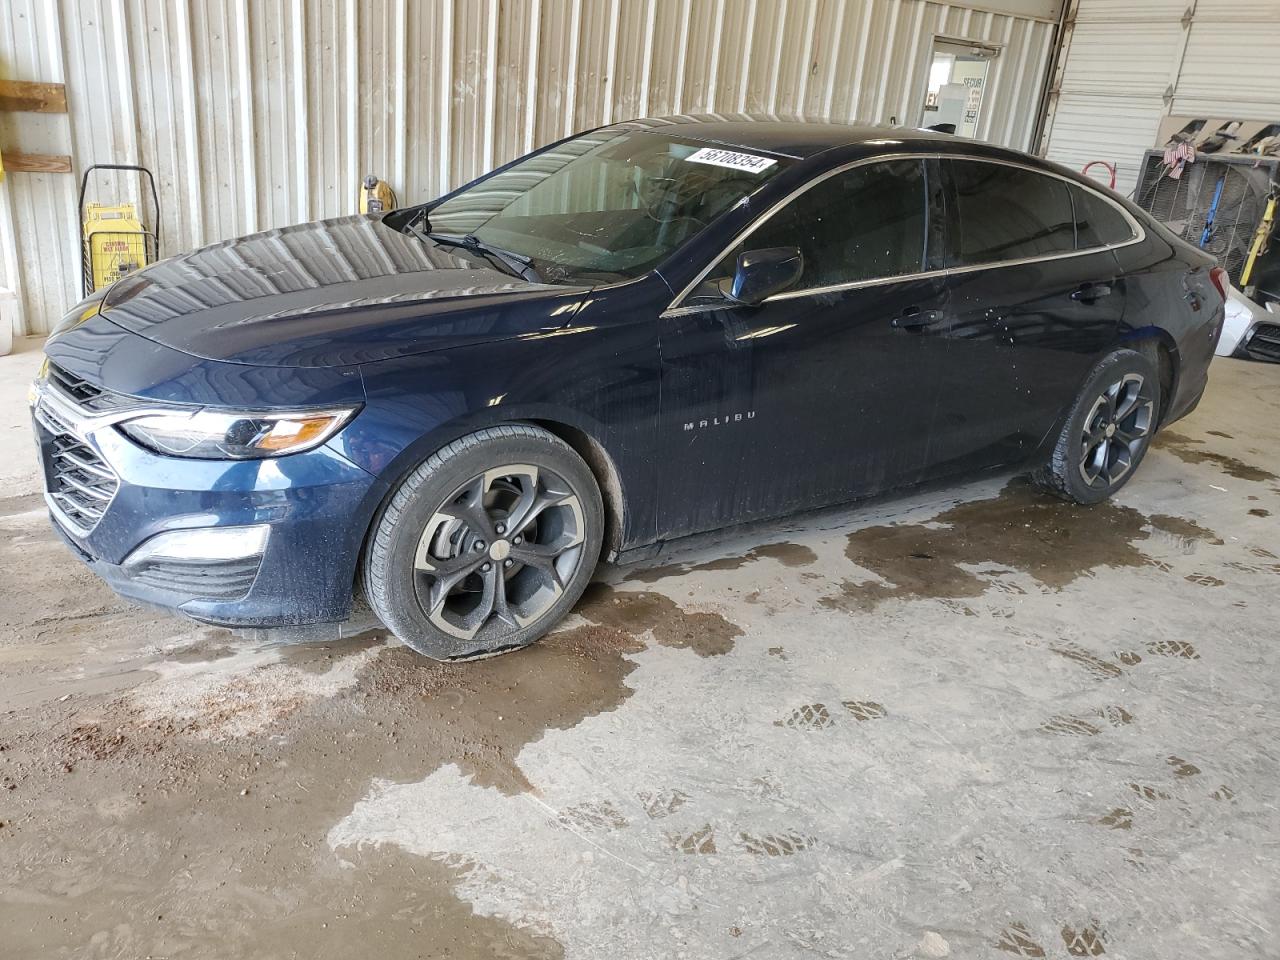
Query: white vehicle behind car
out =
(1249, 330)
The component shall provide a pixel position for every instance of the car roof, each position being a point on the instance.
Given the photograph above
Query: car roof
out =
(792, 137)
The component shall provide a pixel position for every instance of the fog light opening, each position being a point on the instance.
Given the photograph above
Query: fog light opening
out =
(211, 544)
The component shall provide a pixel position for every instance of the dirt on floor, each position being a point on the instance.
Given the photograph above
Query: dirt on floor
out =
(972, 721)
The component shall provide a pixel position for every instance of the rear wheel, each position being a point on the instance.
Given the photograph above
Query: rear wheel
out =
(1108, 430)
(487, 545)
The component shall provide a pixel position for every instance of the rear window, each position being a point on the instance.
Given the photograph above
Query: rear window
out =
(1098, 223)
(1004, 212)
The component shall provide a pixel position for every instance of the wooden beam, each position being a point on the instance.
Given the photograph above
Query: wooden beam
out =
(30, 97)
(35, 163)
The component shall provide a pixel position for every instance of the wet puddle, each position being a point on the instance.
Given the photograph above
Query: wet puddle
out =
(636, 612)
(1189, 450)
(1183, 530)
(1022, 529)
(788, 554)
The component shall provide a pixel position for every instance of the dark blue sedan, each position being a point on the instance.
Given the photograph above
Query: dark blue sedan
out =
(642, 332)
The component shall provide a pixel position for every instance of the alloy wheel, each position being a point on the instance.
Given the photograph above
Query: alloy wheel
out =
(1115, 431)
(496, 555)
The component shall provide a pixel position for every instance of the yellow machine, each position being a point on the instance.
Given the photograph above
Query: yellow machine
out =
(376, 196)
(115, 239)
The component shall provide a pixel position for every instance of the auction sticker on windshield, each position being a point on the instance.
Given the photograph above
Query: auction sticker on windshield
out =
(728, 158)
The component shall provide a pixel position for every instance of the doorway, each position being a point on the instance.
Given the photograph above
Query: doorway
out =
(957, 85)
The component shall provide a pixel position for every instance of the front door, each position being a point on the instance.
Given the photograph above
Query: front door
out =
(825, 391)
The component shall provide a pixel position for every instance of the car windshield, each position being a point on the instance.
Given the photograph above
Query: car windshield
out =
(603, 207)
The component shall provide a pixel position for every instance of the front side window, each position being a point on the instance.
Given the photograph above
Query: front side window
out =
(867, 223)
(1098, 223)
(1007, 213)
(606, 206)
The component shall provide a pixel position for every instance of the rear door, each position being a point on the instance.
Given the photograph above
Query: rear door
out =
(1035, 299)
(823, 392)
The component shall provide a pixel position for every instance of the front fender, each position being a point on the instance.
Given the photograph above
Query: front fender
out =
(600, 381)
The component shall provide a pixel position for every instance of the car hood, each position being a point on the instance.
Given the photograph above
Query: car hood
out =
(329, 293)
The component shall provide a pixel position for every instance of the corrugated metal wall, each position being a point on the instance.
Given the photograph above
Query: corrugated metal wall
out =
(259, 113)
(1130, 63)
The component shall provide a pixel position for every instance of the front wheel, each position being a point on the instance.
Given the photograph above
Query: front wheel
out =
(1107, 432)
(487, 545)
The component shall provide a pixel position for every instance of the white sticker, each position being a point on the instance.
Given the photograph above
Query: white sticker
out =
(727, 158)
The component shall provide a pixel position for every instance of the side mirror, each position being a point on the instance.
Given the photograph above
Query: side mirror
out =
(762, 273)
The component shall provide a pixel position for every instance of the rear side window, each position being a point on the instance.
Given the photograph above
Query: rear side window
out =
(1098, 223)
(1007, 213)
(867, 223)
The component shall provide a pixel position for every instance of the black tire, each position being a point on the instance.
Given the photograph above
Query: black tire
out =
(1093, 438)
(403, 571)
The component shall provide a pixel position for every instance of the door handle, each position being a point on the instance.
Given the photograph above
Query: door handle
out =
(1088, 292)
(914, 318)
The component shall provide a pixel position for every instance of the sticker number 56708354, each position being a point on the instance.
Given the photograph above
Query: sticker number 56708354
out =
(729, 158)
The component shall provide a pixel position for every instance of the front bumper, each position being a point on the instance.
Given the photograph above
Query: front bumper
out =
(316, 506)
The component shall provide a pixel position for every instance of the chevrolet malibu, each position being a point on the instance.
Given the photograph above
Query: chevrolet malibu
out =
(642, 332)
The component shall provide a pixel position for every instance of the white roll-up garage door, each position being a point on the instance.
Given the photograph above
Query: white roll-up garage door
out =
(1232, 63)
(1129, 63)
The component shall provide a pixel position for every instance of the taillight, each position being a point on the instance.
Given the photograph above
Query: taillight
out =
(1219, 278)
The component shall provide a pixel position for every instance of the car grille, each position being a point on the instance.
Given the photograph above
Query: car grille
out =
(1265, 342)
(80, 484)
(85, 394)
(199, 579)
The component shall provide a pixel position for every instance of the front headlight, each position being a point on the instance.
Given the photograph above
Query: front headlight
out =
(221, 435)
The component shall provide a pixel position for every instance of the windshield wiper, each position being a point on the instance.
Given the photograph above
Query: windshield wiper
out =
(517, 263)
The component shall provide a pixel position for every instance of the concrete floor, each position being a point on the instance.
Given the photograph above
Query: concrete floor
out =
(971, 721)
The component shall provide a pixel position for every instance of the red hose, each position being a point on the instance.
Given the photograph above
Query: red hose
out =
(1111, 169)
